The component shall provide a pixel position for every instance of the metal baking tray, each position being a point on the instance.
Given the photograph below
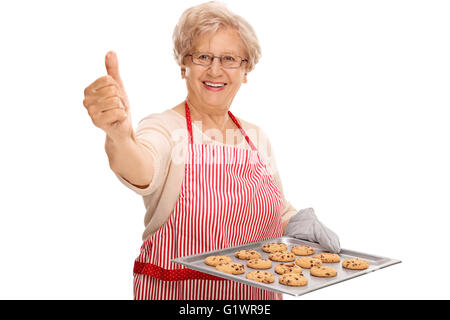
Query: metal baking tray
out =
(196, 262)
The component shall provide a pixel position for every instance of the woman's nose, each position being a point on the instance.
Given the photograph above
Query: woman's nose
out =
(216, 66)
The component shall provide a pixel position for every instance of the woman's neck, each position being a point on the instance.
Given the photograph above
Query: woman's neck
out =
(210, 117)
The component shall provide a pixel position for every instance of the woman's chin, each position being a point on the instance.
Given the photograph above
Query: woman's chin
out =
(215, 102)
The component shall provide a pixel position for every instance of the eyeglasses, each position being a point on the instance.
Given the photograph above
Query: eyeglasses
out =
(228, 61)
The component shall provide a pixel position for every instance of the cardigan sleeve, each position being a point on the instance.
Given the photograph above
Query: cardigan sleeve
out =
(154, 135)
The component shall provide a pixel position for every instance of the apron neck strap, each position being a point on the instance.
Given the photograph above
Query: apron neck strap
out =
(189, 126)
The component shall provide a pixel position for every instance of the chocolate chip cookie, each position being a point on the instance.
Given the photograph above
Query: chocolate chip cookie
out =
(283, 268)
(282, 256)
(273, 247)
(328, 257)
(302, 250)
(293, 279)
(323, 272)
(216, 260)
(355, 264)
(308, 262)
(231, 267)
(247, 254)
(259, 264)
(261, 276)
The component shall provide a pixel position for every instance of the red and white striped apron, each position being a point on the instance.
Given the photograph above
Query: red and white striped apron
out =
(227, 198)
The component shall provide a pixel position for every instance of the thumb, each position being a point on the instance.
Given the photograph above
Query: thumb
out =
(112, 67)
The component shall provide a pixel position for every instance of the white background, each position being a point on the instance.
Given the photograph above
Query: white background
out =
(354, 96)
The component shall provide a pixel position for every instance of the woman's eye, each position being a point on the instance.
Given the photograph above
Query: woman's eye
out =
(204, 57)
(229, 58)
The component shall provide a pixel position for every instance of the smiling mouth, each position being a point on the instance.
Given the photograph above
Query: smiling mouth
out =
(214, 84)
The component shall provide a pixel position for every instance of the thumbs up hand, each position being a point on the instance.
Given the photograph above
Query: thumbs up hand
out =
(107, 103)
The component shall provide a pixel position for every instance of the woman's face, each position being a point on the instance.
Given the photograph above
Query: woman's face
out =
(197, 77)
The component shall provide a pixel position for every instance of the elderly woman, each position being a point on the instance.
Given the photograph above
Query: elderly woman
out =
(201, 191)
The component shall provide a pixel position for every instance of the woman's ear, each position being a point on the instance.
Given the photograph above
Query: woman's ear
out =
(244, 79)
(183, 73)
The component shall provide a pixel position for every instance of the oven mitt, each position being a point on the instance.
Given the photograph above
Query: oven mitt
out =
(305, 226)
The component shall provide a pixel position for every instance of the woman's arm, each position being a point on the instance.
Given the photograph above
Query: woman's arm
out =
(288, 212)
(131, 160)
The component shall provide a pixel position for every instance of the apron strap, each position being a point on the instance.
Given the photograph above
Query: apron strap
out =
(189, 126)
(189, 122)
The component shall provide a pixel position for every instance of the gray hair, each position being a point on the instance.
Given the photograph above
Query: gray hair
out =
(209, 17)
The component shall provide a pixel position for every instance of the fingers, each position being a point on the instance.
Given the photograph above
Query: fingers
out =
(109, 104)
(103, 94)
(108, 117)
(100, 83)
